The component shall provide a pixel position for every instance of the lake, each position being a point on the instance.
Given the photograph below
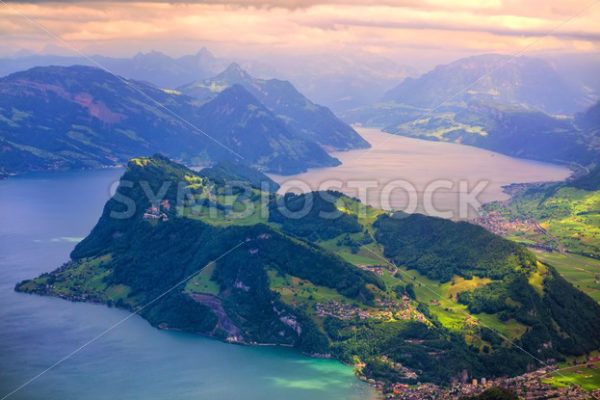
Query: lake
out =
(44, 215)
(42, 218)
(420, 163)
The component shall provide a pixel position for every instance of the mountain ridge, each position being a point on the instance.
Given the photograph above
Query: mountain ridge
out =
(524, 81)
(154, 67)
(518, 106)
(302, 116)
(84, 117)
(512, 131)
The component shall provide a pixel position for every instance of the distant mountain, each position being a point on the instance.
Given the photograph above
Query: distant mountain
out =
(498, 79)
(207, 89)
(153, 67)
(164, 71)
(515, 106)
(579, 70)
(513, 131)
(339, 81)
(299, 114)
(84, 117)
(247, 126)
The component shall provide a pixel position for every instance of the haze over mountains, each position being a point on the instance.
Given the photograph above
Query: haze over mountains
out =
(336, 81)
(299, 114)
(153, 67)
(531, 83)
(84, 117)
(517, 106)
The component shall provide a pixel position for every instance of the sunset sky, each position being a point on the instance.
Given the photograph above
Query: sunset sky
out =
(433, 30)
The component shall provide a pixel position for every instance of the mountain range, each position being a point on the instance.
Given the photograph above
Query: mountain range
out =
(405, 298)
(299, 114)
(527, 82)
(153, 67)
(340, 82)
(513, 131)
(84, 117)
(518, 106)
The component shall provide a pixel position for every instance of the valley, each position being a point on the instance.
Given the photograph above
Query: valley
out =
(521, 109)
(559, 221)
(336, 201)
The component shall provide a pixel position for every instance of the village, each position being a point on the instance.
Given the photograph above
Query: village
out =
(385, 309)
(500, 225)
(529, 386)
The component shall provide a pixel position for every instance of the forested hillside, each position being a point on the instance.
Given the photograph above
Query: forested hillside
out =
(403, 298)
(54, 118)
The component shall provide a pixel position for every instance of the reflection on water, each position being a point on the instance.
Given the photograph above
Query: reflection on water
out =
(421, 163)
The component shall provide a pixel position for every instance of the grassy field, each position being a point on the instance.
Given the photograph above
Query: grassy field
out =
(367, 255)
(587, 378)
(439, 126)
(569, 216)
(201, 283)
(582, 272)
(216, 217)
(87, 276)
(300, 292)
(366, 215)
(228, 210)
(577, 219)
(441, 299)
(510, 329)
(536, 279)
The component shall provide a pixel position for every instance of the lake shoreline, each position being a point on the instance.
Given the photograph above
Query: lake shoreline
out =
(422, 165)
(38, 210)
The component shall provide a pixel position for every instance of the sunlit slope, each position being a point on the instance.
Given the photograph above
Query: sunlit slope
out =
(404, 298)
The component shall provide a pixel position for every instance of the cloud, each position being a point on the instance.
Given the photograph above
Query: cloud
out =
(334, 24)
(514, 7)
(392, 28)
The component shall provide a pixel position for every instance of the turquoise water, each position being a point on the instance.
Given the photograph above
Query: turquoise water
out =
(42, 216)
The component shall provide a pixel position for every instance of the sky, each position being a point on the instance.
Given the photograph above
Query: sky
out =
(406, 31)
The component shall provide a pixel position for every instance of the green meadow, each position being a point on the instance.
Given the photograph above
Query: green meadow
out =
(587, 377)
(582, 272)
